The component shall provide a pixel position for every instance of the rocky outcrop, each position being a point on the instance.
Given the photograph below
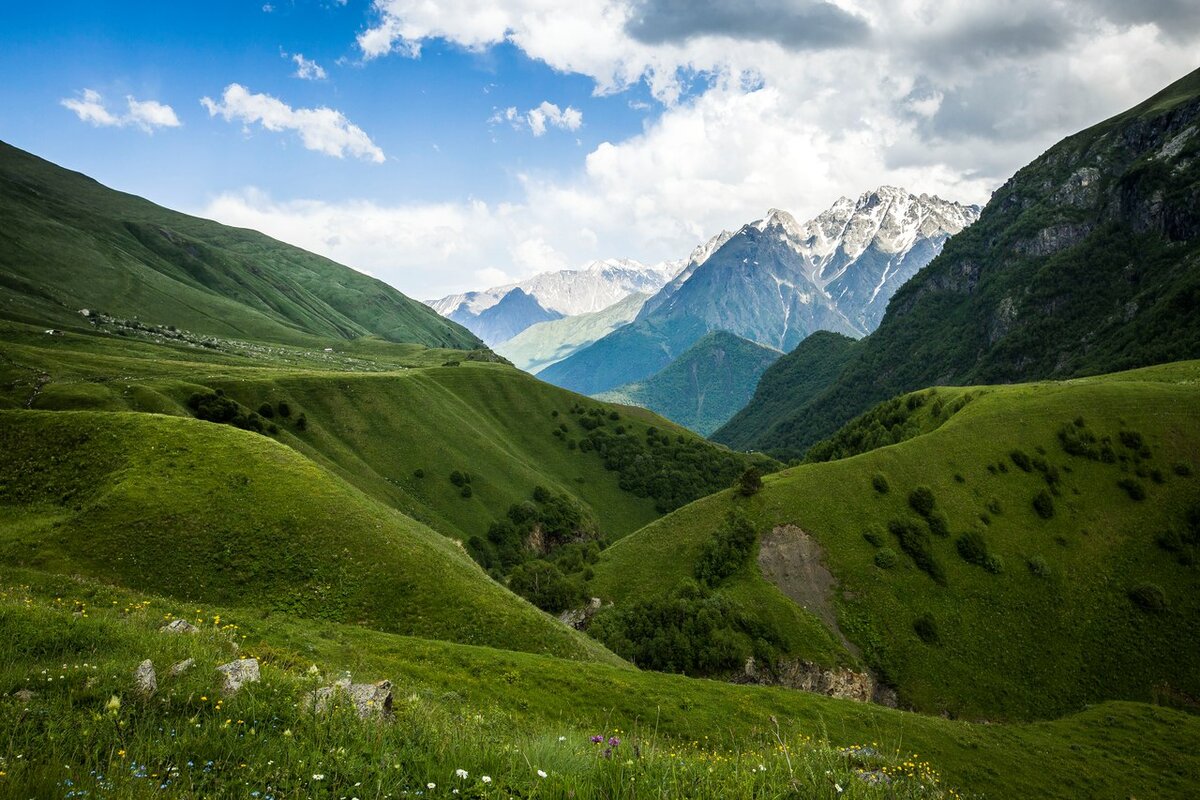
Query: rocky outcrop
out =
(840, 682)
(183, 666)
(370, 700)
(579, 618)
(238, 673)
(179, 626)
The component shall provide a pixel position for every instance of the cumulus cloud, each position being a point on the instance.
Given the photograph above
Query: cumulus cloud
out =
(147, 115)
(789, 103)
(537, 120)
(321, 129)
(307, 69)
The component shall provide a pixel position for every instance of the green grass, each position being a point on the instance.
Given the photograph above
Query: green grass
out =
(491, 713)
(1013, 644)
(205, 512)
(69, 243)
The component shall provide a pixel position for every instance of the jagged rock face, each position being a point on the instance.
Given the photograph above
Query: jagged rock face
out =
(839, 682)
(578, 618)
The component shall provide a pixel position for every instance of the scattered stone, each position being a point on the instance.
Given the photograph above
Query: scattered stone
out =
(179, 626)
(144, 680)
(183, 666)
(238, 673)
(369, 699)
(24, 695)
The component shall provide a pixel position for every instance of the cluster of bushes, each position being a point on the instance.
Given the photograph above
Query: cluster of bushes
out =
(726, 551)
(673, 470)
(462, 480)
(1149, 597)
(973, 549)
(1077, 440)
(925, 626)
(914, 540)
(1183, 545)
(922, 501)
(545, 546)
(693, 630)
(1043, 504)
(216, 407)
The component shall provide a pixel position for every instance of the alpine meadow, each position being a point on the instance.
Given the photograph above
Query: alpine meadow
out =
(891, 494)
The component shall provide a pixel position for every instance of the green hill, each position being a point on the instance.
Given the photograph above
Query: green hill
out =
(1087, 261)
(1056, 568)
(206, 513)
(705, 386)
(73, 643)
(791, 382)
(69, 243)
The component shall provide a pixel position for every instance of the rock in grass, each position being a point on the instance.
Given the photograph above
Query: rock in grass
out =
(179, 626)
(369, 699)
(183, 666)
(239, 673)
(144, 679)
(24, 695)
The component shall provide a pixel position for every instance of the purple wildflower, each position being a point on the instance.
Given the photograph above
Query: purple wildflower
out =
(614, 741)
(597, 739)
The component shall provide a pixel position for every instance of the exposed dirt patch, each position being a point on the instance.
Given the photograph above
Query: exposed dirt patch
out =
(790, 558)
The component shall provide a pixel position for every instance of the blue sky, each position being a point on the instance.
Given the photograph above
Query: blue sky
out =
(674, 119)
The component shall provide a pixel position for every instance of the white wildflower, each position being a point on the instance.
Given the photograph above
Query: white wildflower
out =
(486, 779)
(461, 773)
(541, 774)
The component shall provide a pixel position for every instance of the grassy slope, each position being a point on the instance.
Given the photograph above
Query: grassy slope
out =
(790, 382)
(1060, 277)
(208, 513)
(1013, 645)
(705, 386)
(69, 243)
(1115, 750)
(373, 429)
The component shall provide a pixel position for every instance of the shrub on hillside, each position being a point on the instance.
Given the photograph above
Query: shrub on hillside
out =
(938, 524)
(467, 491)
(1182, 470)
(916, 543)
(921, 500)
(216, 407)
(874, 535)
(1133, 488)
(972, 547)
(886, 558)
(284, 409)
(1149, 597)
(1021, 460)
(266, 410)
(726, 551)
(459, 478)
(532, 529)
(302, 423)
(1038, 567)
(749, 483)
(926, 629)
(1043, 504)
(880, 483)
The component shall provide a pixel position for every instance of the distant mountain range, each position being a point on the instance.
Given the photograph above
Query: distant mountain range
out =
(565, 293)
(776, 281)
(545, 343)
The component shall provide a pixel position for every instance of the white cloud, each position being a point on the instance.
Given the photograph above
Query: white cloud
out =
(321, 129)
(307, 69)
(942, 96)
(145, 114)
(537, 120)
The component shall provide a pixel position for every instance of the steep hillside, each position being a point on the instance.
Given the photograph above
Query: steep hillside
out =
(206, 513)
(69, 243)
(1023, 551)
(776, 281)
(541, 345)
(792, 381)
(705, 386)
(1086, 261)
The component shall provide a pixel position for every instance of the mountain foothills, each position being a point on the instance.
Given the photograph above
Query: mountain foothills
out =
(1086, 261)
(776, 281)
(702, 388)
(440, 575)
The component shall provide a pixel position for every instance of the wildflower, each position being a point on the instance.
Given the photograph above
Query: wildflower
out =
(614, 741)
(838, 787)
(461, 773)
(541, 774)
(318, 776)
(431, 786)
(562, 738)
(486, 779)
(120, 753)
(113, 704)
(597, 739)
(288, 732)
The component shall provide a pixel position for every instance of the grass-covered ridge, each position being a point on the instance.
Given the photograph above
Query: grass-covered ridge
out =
(1038, 568)
(207, 513)
(70, 243)
(490, 713)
